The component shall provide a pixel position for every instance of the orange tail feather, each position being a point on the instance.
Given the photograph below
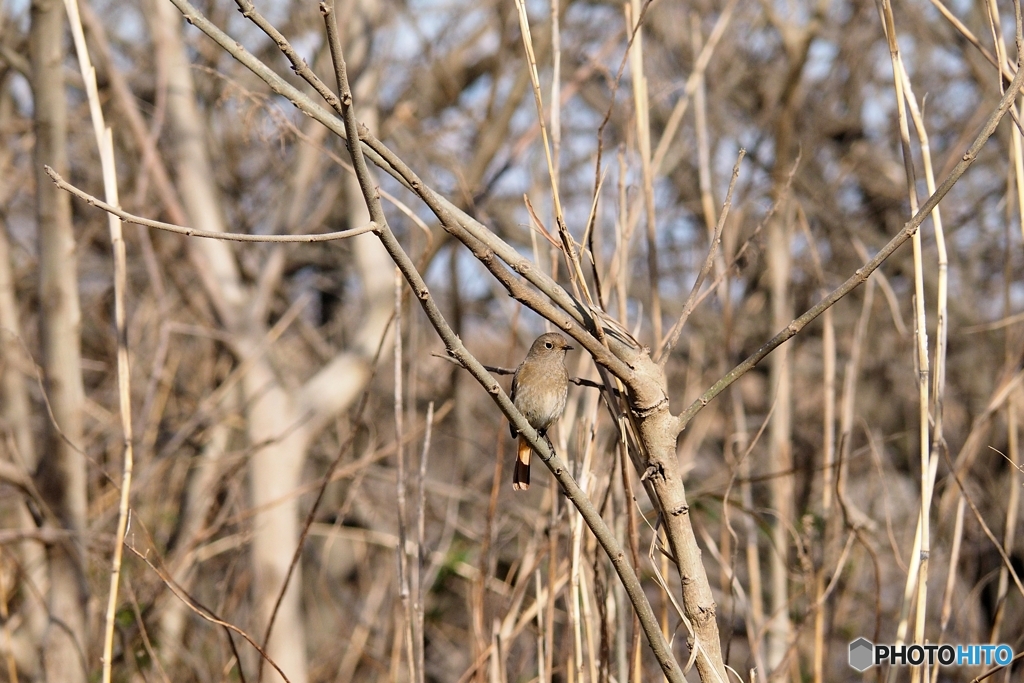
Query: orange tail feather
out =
(521, 471)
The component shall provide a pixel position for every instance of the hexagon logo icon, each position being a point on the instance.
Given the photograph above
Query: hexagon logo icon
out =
(861, 654)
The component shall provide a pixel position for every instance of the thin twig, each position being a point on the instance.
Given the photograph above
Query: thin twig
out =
(577, 496)
(484, 244)
(417, 572)
(105, 143)
(326, 479)
(568, 244)
(988, 532)
(497, 370)
(700, 65)
(192, 232)
(634, 20)
(400, 483)
(918, 576)
(673, 335)
(144, 634)
(213, 399)
(862, 273)
(205, 612)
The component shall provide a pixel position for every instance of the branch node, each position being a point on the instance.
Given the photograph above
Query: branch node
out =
(652, 470)
(681, 510)
(643, 413)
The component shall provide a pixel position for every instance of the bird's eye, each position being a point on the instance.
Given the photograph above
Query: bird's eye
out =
(547, 345)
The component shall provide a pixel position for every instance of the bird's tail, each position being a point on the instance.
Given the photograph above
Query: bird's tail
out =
(521, 471)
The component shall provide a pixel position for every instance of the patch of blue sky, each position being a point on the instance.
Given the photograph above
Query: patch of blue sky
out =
(820, 60)
(960, 8)
(237, 26)
(21, 93)
(959, 101)
(277, 13)
(947, 60)
(435, 28)
(474, 280)
(17, 12)
(307, 44)
(432, 17)
(253, 39)
(124, 22)
(849, 197)
(1016, 295)
(581, 16)
(725, 151)
(537, 11)
(477, 94)
(803, 251)
(762, 41)
(440, 22)
(516, 180)
(405, 39)
(878, 112)
(682, 239)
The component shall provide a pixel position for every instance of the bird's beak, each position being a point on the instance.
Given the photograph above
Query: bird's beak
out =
(569, 347)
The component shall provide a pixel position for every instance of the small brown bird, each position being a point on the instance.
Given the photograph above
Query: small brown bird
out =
(538, 391)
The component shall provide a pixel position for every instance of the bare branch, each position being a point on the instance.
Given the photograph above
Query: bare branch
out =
(862, 273)
(192, 232)
(672, 337)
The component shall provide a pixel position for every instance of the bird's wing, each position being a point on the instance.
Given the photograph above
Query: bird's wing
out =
(512, 396)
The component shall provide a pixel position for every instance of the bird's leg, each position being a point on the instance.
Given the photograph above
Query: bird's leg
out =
(547, 438)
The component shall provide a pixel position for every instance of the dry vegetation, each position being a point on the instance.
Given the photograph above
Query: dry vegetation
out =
(282, 427)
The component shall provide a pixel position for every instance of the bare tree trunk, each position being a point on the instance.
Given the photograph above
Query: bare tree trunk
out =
(780, 449)
(780, 455)
(215, 262)
(16, 419)
(658, 430)
(272, 416)
(274, 474)
(62, 479)
(280, 420)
